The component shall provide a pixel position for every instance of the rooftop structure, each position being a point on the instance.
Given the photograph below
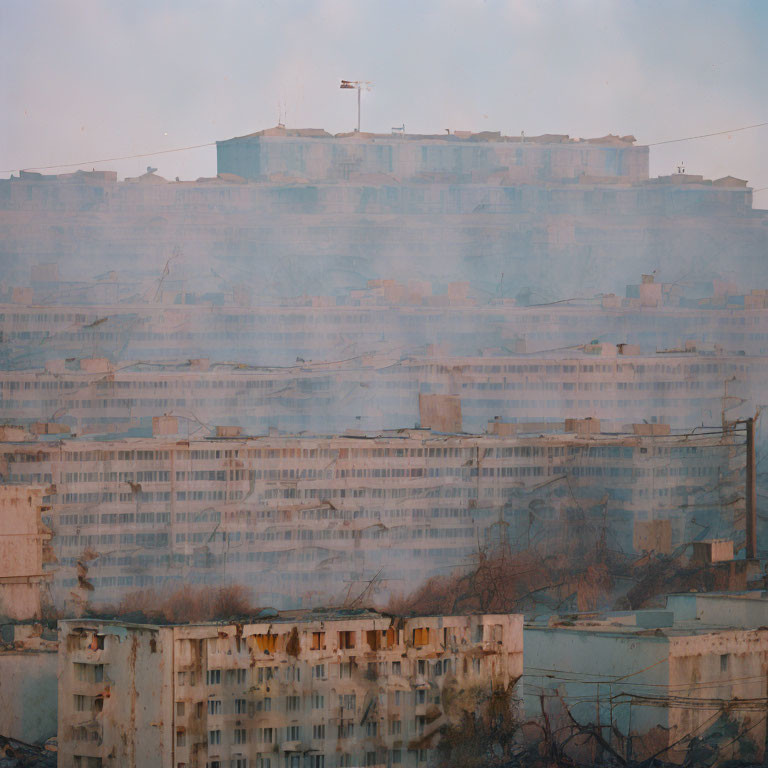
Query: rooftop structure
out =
(321, 689)
(461, 156)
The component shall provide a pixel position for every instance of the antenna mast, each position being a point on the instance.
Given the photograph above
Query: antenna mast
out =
(357, 85)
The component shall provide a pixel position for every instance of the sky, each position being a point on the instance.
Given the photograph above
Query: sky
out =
(92, 79)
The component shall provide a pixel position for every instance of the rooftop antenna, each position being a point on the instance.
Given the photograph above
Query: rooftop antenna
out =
(681, 167)
(358, 85)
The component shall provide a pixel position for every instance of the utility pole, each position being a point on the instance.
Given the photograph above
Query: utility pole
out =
(358, 85)
(751, 492)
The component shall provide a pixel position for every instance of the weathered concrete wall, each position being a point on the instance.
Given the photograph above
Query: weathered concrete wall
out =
(28, 695)
(649, 690)
(584, 671)
(115, 694)
(22, 536)
(352, 687)
(710, 674)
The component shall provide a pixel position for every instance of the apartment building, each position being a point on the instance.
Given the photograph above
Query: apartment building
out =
(314, 689)
(295, 516)
(602, 381)
(459, 156)
(272, 336)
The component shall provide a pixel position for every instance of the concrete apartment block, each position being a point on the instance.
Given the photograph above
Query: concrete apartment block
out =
(316, 689)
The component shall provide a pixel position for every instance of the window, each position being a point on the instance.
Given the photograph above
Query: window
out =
(89, 703)
(370, 758)
(318, 731)
(348, 701)
(421, 721)
(241, 736)
(318, 672)
(179, 709)
(395, 727)
(421, 667)
(238, 762)
(346, 640)
(265, 762)
(264, 705)
(292, 703)
(181, 738)
(214, 737)
(213, 677)
(420, 636)
(421, 697)
(89, 673)
(318, 641)
(265, 735)
(294, 733)
(396, 757)
(182, 678)
(423, 755)
(396, 668)
(266, 643)
(214, 707)
(87, 762)
(318, 700)
(241, 706)
(317, 761)
(371, 728)
(723, 662)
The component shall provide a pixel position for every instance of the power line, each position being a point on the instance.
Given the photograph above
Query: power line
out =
(213, 143)
(706, 135)
(113, 159)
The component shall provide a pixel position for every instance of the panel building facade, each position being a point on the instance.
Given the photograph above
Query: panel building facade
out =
(321, 689)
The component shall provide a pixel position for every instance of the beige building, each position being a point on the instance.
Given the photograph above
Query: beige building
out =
(294, 516)
(23, 538)
(614, 384)
(320, 689)
(27, 648)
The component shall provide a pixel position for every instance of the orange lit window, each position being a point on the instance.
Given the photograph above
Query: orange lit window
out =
(318, 641)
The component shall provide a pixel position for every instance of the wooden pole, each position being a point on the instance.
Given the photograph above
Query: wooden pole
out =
(751, 492)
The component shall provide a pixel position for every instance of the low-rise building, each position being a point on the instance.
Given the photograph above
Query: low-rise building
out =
(28, 673)
(317, 689)
(650, 683)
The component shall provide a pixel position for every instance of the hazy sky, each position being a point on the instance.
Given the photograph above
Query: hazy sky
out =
(88, 79)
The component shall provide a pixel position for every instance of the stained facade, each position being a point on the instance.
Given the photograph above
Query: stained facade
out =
(315, 690)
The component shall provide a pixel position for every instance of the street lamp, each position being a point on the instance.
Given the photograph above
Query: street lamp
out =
(357, 85)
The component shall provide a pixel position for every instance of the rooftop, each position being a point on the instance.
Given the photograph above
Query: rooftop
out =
(281, 131)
